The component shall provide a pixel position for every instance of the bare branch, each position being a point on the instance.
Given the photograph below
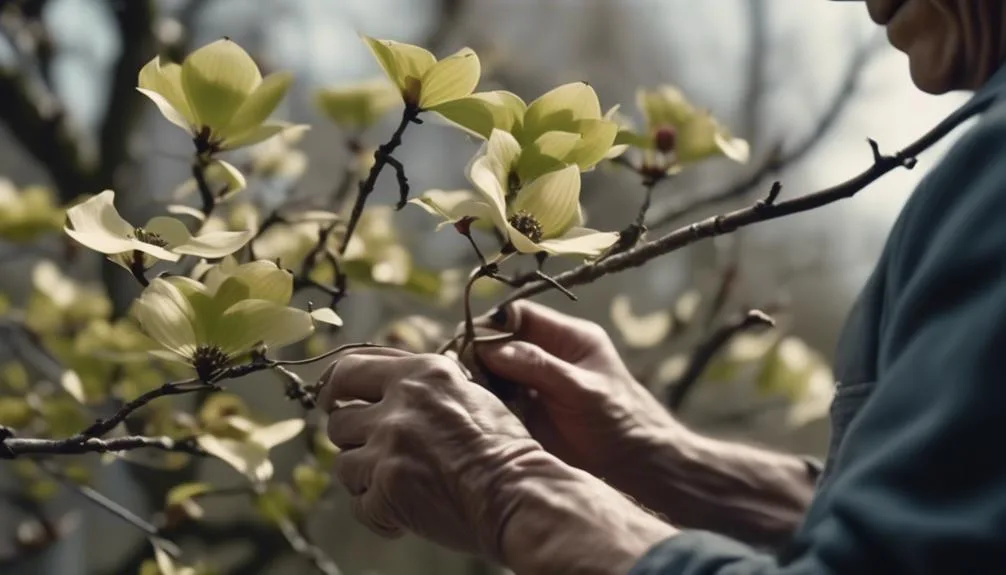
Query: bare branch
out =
(761, 211)
(382, 158)
(112, 507)
(15, 446)
(778, 160)
(706, 350)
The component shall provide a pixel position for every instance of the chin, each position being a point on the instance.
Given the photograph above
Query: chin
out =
(930, 80)
(935, 67)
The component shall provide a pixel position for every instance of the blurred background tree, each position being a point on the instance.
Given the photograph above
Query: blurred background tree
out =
(804, 83)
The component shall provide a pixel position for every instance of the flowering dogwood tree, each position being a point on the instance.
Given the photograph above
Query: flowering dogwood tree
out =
(227, 289)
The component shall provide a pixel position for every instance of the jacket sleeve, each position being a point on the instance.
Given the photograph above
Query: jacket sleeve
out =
(921, 486)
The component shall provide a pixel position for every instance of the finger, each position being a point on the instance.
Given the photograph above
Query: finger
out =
(354, 469)
(545, 327)
(362, 375)
(349, 426)
(528, 365)
(368, 511)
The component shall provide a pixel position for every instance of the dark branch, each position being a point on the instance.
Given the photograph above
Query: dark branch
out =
(134, 22)
(38, 121)
(761, 211)
(382, 157)
(15, 446)
(778, 160)
(706, 350)
(112, 507)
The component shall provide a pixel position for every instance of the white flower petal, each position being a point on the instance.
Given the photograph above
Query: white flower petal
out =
(257, 108)
(167, 317)
(553, 200)
(214, 245)
(452, 78)
(277, 433)
(71, 383)
(639, 331)
(254, 322)
(247, 457)
(580, 241)
(167, 110)
(326, 315)
(485, 181)
(97, 225)
(503, 150)
(217, 79)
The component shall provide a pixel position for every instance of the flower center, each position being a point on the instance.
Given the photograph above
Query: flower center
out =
(208, 360)
(665, 139)
(526, 224)
(151, 238)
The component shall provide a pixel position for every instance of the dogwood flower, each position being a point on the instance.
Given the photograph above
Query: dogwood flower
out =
(97, 225)
(678, 133)
(358, 105)
(209, 326)
(27, 213)
(542, 216)
(563, 126)
(250, 454)
(424, 82)
(218, 95)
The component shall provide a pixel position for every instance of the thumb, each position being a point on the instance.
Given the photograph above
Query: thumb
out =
(527, 365)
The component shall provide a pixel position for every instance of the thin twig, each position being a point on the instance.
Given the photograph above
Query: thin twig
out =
(112, 507)
(382, 157)
(706, 350)
(302, 546)
(16, 446)
(761, 211)
(777, 160)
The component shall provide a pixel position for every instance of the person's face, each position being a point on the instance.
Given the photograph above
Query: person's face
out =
(951, 44)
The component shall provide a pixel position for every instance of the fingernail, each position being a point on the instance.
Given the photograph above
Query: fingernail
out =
(500, 316)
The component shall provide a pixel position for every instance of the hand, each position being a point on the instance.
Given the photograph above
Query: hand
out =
(585, 406)
(426, 450)
(423, 448)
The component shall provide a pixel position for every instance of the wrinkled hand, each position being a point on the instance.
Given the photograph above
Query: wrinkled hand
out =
(423, 448)
(585, 406)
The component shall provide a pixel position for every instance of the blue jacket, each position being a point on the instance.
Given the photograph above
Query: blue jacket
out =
(915, 481)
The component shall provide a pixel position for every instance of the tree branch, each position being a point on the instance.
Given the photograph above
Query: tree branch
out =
(112, 507)
(382, 157)
(134, 22)
(706, 350)
(761, 211)
(777, 160)
(38, 121)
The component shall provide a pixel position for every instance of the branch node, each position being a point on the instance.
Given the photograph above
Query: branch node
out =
(878, 158)
(770, 198)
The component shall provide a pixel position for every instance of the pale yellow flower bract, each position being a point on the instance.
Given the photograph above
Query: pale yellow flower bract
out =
(542, 216)
(97, 225)
(218, 95)
(424, 82)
